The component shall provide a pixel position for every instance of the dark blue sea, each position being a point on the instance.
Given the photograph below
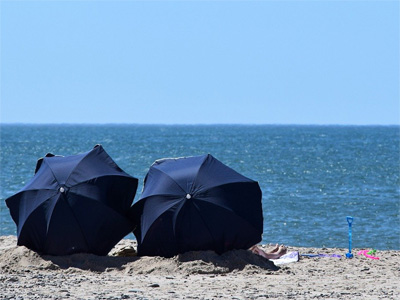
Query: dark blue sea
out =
(311, 177)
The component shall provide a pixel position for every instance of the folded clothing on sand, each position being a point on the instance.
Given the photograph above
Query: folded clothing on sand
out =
(287, 258)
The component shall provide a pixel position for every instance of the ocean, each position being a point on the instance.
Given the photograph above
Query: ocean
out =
(311, 177)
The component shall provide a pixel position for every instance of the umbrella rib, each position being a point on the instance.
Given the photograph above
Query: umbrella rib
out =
(222, 207)
(33, 190)
(72, 171)
(33, 210)
(204, 222)
(38, 190)
(52, 172)
(123, 174)
(172, 179)
(198, 172)
(242, 179)
(78, 224)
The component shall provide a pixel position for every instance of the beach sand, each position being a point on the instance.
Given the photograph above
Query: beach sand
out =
(237, 274)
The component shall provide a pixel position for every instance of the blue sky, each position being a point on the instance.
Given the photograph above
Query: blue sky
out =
(191, 62)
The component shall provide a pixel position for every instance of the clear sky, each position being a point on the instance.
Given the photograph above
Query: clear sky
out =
(190, 62)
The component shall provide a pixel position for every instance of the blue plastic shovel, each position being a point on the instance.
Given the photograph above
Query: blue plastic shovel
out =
(350, 221)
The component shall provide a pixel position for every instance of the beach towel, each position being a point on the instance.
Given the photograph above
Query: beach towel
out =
(287, 258)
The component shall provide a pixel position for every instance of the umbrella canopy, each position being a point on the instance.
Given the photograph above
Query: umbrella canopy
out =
(76, 203)
(196, 203)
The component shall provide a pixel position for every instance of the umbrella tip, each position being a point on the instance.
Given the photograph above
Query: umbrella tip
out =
(188, 196)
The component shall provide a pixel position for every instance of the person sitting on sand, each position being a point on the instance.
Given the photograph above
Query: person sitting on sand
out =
(275, 253)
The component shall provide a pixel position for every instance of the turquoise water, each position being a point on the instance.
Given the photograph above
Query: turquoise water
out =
(311, 177)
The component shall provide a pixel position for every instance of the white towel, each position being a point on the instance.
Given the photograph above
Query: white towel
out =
(287, 258)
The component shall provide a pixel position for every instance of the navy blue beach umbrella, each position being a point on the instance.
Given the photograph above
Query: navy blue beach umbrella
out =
(196, 203)
(76, 203)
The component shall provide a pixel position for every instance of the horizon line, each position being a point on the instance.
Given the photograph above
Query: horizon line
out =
(196, 124)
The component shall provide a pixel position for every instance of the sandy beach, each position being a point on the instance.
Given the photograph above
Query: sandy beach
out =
(237, 274)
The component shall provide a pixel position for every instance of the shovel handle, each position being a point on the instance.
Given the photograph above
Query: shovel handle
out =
(350, 220)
